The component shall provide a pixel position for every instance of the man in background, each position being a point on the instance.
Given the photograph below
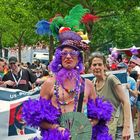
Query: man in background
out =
(20, 77)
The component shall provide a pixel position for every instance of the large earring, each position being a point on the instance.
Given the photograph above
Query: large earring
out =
(59, 66)
(77, 67)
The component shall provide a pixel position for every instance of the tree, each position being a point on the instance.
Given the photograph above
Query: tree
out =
(118, 24)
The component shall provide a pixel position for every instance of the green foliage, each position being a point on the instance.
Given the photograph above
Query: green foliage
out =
(118, 25)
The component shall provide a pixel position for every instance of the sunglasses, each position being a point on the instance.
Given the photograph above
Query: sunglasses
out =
(72, 53)
(12, 63)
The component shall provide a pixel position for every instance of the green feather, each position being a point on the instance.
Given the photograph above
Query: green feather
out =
(77, 12)
(72, 20)
(56, 24)
(75, 15)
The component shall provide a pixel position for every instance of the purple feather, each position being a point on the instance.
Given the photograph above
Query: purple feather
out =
(101, 110)
(101, 132)
(36, 111)
(104, 137)
(55, 134)
(36, 138)
(43, 27)
(134, 50)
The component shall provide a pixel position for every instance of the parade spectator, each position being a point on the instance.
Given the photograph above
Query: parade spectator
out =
(135, 63)
(133, 90)
(3, 67)
(38, 72)
(45, 75)
(40, 65)
(28, 65)
(136, 109)
(109, 86)
(2, 64)
(131, 86)
(18, 76)
(138, 119)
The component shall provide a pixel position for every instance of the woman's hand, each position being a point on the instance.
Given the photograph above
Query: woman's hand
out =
(126, 133)
(93, 121)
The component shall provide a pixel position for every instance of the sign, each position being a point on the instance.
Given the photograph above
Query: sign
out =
(12, 127)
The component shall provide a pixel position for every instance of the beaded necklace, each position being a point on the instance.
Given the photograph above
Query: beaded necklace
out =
(69, 91)
(56, 93)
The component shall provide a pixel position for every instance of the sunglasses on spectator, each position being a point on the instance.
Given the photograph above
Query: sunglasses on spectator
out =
(12, 63)
(72, 53)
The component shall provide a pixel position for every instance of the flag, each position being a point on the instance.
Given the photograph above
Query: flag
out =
(135, 59)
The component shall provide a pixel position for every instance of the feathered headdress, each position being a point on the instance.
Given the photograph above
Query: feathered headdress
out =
(77, 18)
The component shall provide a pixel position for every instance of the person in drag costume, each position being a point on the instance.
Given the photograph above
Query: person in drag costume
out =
(68, 107)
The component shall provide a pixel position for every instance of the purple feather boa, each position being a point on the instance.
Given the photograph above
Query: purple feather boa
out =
(55, 134)
(101, 132)
(101, 110)
(35, 111)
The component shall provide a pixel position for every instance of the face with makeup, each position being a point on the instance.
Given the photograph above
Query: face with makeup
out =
(69, 58)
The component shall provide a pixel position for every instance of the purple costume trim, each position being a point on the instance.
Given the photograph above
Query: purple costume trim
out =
(101, 110)
(36, 111)
(55, 134)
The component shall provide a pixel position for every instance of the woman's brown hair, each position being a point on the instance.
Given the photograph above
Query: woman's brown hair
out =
(97, 55)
